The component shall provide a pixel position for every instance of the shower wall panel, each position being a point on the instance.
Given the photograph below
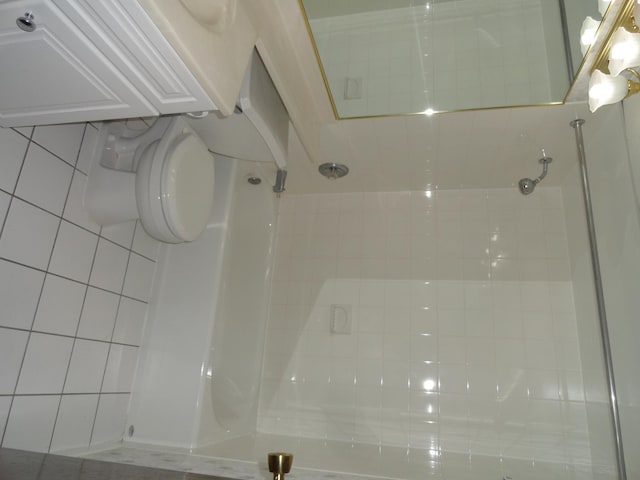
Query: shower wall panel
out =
(462, 324)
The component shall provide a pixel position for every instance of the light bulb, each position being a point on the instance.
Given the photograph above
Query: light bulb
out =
(588, 33)
(606, 89)
(625, 51)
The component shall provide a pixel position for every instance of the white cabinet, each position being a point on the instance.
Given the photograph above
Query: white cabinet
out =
(126, 35)
(53, 74)
(215, 38)
(89, 60)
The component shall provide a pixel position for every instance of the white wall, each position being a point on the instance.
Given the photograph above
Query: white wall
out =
(73, 297)
(463, 337)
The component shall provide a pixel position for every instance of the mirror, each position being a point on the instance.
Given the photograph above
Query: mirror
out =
(576, 13)
(393, 57)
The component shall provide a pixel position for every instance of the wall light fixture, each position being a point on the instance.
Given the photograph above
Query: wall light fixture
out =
(616, 74)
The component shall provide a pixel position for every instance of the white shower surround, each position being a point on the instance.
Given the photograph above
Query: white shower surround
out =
(316, 253)
(464, 357)
(464, 339)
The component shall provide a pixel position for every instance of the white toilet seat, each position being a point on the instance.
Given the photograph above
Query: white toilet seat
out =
(174, 186)
(187, 178)
(167, 180)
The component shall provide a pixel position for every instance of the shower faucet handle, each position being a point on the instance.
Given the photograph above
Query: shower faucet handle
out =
(279, 464)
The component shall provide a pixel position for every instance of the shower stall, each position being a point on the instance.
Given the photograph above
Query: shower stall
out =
(468, 344)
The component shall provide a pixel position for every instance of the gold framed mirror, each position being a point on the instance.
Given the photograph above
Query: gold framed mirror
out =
(397, 57)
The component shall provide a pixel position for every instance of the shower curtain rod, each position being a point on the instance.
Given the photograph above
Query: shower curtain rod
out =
(602, 313)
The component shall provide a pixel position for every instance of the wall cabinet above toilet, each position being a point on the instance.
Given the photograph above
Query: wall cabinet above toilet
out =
(86, 60)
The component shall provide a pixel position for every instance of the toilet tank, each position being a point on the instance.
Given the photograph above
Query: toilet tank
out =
(259, 130)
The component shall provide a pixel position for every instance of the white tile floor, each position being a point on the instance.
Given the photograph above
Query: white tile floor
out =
(58, 322)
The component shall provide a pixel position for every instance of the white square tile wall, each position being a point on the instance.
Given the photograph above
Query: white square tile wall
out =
(449, 56)
(463, 332)
(69, 332)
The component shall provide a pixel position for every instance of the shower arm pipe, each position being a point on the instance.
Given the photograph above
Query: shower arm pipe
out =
(545, 169)
(602, 313)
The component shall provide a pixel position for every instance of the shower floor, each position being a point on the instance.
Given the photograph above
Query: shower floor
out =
(245, 458)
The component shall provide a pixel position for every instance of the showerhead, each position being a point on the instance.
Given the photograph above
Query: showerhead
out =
(526, 186)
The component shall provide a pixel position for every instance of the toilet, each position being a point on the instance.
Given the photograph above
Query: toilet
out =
(163, 176)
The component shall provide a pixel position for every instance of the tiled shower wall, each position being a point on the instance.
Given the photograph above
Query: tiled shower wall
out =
(439, 55)
(463, 331)
(73, 297)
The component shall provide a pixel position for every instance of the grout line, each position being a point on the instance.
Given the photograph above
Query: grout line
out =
(8, 260)
(72, 165)
(58, 157)
(53, 334)
(129, 249)
(53, 248)
(30, 331)
(61, 217)
(26, 345)
(15, 186)
(6, 191)
(62, 394)
(84, 133)
(73, 345)
(124, 279)
(15, 129)
(106, 365)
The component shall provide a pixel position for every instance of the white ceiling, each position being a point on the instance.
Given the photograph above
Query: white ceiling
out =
(475, 149)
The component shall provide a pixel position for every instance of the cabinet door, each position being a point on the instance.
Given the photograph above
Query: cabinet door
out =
(54, 74)
(123, 31)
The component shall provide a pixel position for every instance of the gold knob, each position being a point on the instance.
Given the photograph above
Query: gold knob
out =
(279, 464)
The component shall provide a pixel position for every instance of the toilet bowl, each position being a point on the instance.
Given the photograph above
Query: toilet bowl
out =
(163, 176)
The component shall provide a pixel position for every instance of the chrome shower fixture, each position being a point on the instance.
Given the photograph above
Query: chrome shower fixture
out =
(527, 185)
(281, 178)
(333, 170)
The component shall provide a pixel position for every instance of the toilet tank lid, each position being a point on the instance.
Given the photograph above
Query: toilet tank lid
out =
(261, 104)
(187, 186)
